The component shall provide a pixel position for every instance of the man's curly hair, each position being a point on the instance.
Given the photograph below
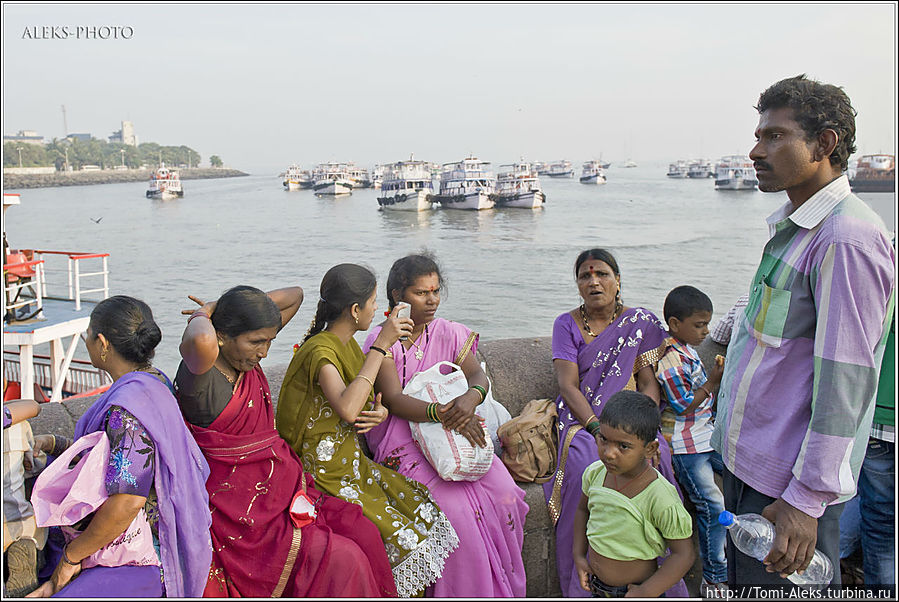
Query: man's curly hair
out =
(816, 107)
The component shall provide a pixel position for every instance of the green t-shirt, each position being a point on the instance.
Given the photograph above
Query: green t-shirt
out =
(635, 528)
(885, 411)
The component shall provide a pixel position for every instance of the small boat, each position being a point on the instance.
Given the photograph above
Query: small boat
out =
(296, 178)
(541, 168)
(561, 169)
(874, 173)
(377, 176)
(592, 173)
(332, 179)
(406, 186)
(359, 176)
(735, 172)
(629, 163)
(678, 169)
(519, 186)
(700, 168)
(467, 184)
(165, 184)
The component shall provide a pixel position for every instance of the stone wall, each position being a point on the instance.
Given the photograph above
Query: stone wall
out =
(13, 181)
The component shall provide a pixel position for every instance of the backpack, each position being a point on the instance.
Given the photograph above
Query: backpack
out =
(530, 442)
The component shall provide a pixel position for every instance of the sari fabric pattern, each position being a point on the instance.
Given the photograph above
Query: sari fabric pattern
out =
(416, 534)
(488, 514)
(606, 365)
(257, 551)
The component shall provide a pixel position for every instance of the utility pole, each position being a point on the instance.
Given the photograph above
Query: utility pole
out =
(65, 124)
(19, 148)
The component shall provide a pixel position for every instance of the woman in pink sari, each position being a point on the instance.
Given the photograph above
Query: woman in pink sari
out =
(260, 547)
(599, 348)
(487, 514)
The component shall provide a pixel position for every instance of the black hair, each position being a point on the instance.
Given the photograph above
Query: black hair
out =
(128, 325)
(632, 412)
(404, 272)
(816, 107)
(598, 254)
(244, 309)
(684, 301)
(341, 287)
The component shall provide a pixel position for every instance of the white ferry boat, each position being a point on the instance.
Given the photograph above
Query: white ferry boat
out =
(519, 186)
(592, 173)
(165, 184)
(296, 178)
(629, 163)
(561, 169)
(678, 169)
(467, 184)
(700, 168)
(735, 172)
(541, 168)
(359, 176)
(407, 186)
(377, 176)
(48, 299)
(332, 179)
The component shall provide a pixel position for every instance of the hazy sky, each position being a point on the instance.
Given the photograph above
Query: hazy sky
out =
(266, 85)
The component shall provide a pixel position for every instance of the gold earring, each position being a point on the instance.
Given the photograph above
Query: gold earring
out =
(221, 343)
(356, 319)
(103, 356)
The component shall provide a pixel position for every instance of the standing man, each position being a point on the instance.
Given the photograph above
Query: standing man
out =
(797, 396)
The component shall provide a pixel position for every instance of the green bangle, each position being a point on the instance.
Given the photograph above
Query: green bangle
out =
(592, 427)
(432, 412)
(480, 390)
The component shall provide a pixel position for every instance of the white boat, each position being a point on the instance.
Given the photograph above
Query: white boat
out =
(359, 176)
(678, 169)
(377, 176)
(296, 178)
(519, 186)
(467, 184)
(592, 173)
(735, 172)
(541, 167)
(700, 168)
(561, 169)
(406, 186)
(629, 163)
(165, 184)
(332, 179)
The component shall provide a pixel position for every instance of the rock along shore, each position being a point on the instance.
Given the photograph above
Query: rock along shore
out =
(108, 176)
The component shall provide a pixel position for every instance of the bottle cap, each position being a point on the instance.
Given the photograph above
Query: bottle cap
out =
(726, 518)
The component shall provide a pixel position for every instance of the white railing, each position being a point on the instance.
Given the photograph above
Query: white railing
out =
(75, 275)
(81, 376)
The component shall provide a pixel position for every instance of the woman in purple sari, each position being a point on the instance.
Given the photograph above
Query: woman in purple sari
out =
(155, 467)
(487, 514)
(599, 348)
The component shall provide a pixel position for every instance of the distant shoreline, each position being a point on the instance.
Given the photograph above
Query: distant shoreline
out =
(108, 176)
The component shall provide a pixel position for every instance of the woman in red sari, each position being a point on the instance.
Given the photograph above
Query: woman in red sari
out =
(261, 548)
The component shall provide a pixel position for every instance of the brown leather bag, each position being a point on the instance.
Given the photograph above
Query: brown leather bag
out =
(530, 441)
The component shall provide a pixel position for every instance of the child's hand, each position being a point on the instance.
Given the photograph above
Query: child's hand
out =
(583, 572)
(636, 591)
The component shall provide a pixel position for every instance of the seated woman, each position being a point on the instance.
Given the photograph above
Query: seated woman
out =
(154, 465)
(599, 348)
(487, 514)
(260, 548)
(322, 407)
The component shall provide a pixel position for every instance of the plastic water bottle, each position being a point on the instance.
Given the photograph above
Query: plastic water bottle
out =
(753, 535)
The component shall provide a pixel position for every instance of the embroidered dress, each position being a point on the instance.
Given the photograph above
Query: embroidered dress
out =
(416, 534)
(487, 514)
(606, 365)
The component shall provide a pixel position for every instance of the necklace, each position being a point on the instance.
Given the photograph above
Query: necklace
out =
(629, 483)
(230, 378)
(587, 328)
(419, 352)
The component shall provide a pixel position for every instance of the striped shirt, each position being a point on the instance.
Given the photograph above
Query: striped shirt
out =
(797, 397)
(680, 372)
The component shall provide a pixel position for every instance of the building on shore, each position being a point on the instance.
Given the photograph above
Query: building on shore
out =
(125, 135)
(26, 136)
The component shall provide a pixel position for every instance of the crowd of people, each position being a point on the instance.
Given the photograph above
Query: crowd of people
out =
(327, 494)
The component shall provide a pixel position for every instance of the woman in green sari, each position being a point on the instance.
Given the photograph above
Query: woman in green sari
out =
(327, 399)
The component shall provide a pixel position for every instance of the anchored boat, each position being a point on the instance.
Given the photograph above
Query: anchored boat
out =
(561, 169)
(592, 173)
(165, 184)
(519, 186)
(735, 172)
(406, 186)
(332, 179)
(874, 173)
(467, 184)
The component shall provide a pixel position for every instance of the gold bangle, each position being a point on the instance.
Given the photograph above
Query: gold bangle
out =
(370, 381)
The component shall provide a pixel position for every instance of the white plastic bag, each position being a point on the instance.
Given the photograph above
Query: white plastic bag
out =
(495, 415)
(451, 454)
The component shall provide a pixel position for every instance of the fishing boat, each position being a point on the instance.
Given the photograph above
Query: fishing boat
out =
(48, 299)
(735, 172)
(407, 186)
(560, 169)
(467, 184)
(678, 169)
(165, 184)
(874, 173)
(592, 173)
(519, 186)
(332, 179)
(700, 168)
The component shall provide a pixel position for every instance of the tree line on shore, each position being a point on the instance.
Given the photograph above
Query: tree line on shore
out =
(106, 155)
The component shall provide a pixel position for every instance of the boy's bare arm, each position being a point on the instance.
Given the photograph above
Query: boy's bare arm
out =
(579, 543)
(672, 570)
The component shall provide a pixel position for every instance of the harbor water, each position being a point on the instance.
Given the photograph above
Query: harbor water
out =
(509, 272)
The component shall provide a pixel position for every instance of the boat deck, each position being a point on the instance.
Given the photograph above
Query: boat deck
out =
(61, 318)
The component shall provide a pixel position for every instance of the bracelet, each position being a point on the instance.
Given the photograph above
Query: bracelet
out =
(379, 350)
(197, 314)
(65, 556)
(592, 427)
(431, 412)
(481, 390)
(365, 378)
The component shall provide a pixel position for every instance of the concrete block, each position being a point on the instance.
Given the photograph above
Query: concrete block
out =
(520, 370)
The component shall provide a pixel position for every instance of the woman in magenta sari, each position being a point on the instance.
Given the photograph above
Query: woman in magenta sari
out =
(261, 548)
(599, 348)
(487, 514)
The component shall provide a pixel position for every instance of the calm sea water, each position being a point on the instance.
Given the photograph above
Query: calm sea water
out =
(509, 272)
